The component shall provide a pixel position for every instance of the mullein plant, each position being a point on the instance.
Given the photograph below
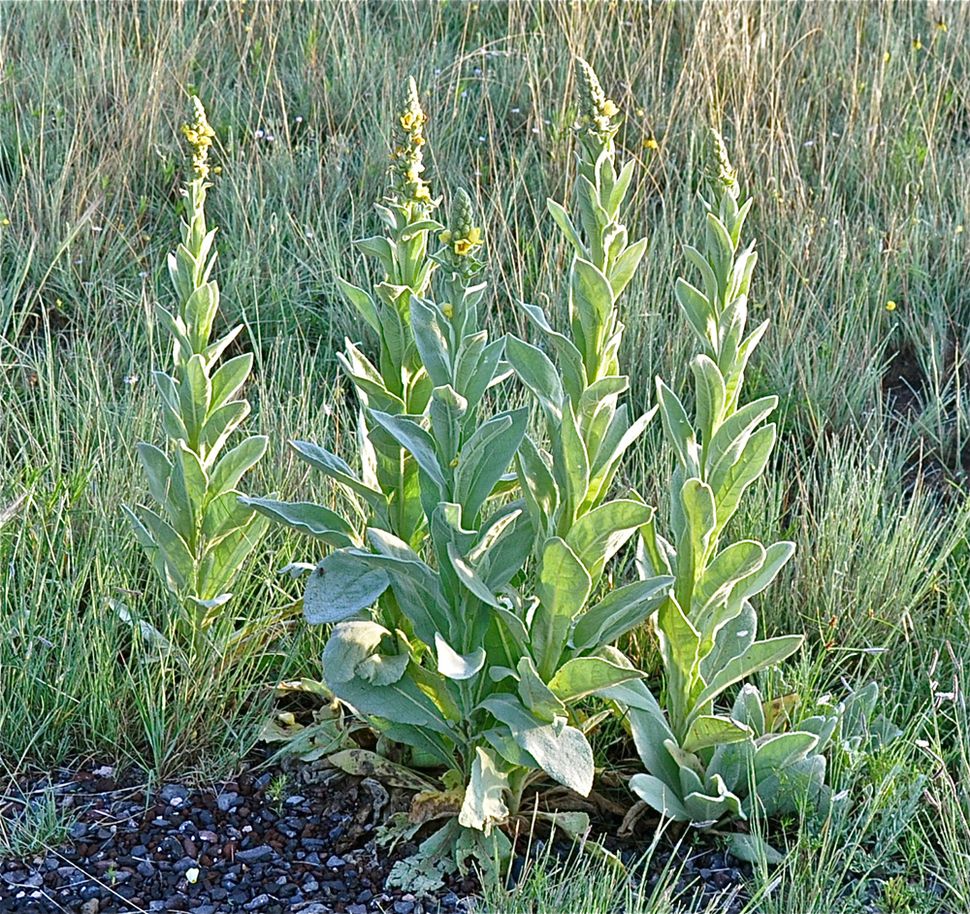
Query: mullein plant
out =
(198, 535)
(487, 677)
(566, 488)
(481, 665)
(704, 765)
(385, 489)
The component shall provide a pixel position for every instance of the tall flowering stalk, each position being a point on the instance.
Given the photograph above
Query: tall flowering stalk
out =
(199, 534)
(578, 385)
(707, 625)
(386, 487)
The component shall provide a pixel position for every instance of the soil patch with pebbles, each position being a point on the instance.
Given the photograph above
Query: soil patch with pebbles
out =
(301, 841)
(246, 846)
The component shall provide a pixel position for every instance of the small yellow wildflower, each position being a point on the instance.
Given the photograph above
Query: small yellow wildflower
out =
(462, 246)
(650, 143)
(917, 44)
(4, 221)
(411, 120)
(890, 305)
(941, 26)
(887, 57)
(609, 109)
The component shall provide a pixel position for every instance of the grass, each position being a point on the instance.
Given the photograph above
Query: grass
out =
(850, 124)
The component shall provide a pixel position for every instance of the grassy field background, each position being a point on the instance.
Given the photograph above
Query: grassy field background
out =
(848, 123)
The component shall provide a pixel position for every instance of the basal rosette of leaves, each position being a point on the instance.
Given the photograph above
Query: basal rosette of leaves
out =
(199, 534)
(702, 765)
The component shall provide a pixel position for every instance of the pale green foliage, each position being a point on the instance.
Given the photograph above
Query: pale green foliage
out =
(481, 665)
(702, 765)
(484, 678)
(386, 488)
(588, 430)
(199, 535)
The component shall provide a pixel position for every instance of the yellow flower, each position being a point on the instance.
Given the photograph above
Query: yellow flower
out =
(199, 135)
(887, 57)
(608, 108)
(917, 44)
(650, 143)
(463, 246)
(890, 305)
(941, 26)
(417, 139)
(4, 221)
(475, 235)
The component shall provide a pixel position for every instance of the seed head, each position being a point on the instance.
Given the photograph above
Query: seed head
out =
(721, 172)
(598, 113)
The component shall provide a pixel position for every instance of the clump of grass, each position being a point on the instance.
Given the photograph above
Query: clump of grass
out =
(33, 824)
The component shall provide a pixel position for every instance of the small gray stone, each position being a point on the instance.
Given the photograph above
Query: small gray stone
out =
(260, 901)
(259, 854)
(295, 800)
(334, 862)
(183, 865)
(175, 794)
(227, 801)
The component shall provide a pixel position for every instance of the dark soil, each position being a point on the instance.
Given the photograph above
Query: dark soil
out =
(269, 842)
(244, 846)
